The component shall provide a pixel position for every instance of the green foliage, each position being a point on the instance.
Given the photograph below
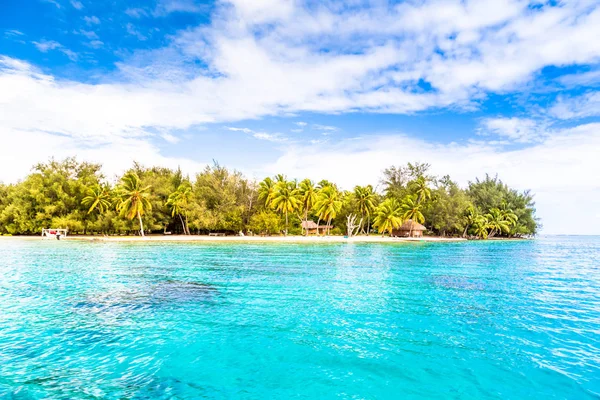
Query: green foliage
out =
(286, 199)
(53, 192)
(75, 195)
(133, 199)
(388, 216)
(265, 223)
(411, 209)
(328, 203)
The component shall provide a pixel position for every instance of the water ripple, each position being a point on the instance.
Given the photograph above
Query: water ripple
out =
(176, 321)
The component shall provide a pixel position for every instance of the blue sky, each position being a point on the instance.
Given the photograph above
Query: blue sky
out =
(327, 89)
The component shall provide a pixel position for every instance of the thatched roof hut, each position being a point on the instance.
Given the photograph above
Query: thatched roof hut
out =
(409, 228)
(312, 227)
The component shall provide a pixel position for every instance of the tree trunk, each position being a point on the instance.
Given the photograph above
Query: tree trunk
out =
(182, 225)
(361, 229)
(318, 222)
(141, 224)
(328, 226)
(465, 231)
(187, 225)
(286, 223)
(368, 224)
(306, 222)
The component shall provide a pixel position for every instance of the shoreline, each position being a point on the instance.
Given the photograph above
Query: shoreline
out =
(257, 239)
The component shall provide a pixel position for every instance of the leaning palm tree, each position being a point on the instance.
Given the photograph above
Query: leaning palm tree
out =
(179, 202)
(497, 222)
(481, 226)
(365, 201)
(133, 198)
(98, 198)
(328, 204)
(411, 209)
(266, 191)
(308, 198)
(469, 218)
(420, 188)
(286, 199)
(388, 216)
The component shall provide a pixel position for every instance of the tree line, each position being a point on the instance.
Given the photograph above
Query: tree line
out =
(77, 196)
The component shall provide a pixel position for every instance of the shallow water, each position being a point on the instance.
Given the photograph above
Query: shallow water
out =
(476, 320)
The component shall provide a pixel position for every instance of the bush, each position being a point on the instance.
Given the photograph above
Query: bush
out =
(336, 231)
(265, 223)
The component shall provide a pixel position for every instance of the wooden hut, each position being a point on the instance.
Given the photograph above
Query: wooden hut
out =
(313, 229)
(409, 228)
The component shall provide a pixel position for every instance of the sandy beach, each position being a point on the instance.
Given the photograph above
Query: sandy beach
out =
(257, 239)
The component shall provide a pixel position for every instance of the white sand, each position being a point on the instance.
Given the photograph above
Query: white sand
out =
(272, 239)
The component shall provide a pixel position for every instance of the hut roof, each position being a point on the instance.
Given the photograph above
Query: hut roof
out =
(406, 226)
(309, 225)
(313, 225)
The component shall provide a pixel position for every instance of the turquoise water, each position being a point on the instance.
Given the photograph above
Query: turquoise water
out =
(477, 320)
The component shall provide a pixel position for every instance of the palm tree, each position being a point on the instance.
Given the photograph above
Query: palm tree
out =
(133, 198)
(365, 200)
(280, 178)
(266, 191)
(420, 188)
(469, 218)
(98, 198)
(328, 204)
(285, 199)
(308, 198)
(179, 201)
(388, 216)
(481, 226)
(496, 222)
(411, 209)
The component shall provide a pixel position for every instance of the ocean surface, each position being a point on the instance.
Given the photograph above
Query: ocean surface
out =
(476, 320)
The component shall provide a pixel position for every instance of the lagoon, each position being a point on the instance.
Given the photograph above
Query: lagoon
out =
(468, 320)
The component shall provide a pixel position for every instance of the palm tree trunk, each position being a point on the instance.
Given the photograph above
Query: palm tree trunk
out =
(328, 226)
(286, 223)
(318, 222)
(306, 222)
(187, 225)
(182, 224)
(465, 231)
(141, 224)
(368, 224)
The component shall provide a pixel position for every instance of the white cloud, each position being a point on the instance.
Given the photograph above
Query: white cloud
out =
(87, 34)
(245, 130)
(93, 20)
(327, 130)
(46, 45)
(582, 79)
(552, 169)
(76, 4)
(301, 123)
(53, 2)
(271, 137)
(13, 33)
(165, 7)
(132, 30)
(586, 105)
(283, 57)
(520, 130)
(95, 44)
(136, 12)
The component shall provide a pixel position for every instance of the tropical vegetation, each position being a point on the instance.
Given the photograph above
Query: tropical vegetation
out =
(79, 197)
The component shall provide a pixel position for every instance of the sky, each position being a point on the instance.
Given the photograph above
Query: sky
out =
(335, 90)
